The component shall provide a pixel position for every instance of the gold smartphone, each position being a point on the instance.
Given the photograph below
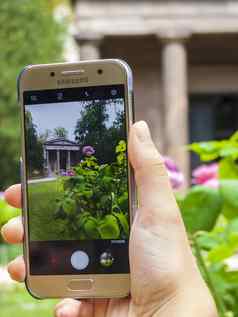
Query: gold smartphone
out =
(78, 189)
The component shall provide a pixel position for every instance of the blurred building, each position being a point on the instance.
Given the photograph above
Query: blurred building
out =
(184, 55)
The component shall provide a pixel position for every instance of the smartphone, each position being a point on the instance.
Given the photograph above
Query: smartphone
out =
(78, 188)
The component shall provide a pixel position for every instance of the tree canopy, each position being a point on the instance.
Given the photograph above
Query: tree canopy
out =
(29, 34)
(91, 129)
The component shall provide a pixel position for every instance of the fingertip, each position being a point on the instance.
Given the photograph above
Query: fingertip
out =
(13, 195)
(16, 269)
(68, 308)
(12, 231)
(142, 150)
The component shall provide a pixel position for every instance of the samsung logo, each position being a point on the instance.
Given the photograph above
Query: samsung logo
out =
(72, 81)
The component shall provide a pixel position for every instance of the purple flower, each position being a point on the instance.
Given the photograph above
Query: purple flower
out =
(88, 150)
(175, 175)
(170, 164)
(70, 173)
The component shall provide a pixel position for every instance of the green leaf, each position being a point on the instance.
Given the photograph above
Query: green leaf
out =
(229, 150)
(229, 211)
(123, 221)
(229, 192)
(121, 147)
(69, 205)
(91, 228)
(201, 208)
(234, 137)
(120, 158)
(224, 250)
(109, 228)
(207, 151)
(81, 219)
(207, 242)
(228, 169)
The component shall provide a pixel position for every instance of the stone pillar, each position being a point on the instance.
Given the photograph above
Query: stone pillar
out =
(175, 98)
(89, 46)
(58, 161)
(47, 161)
(68, 160)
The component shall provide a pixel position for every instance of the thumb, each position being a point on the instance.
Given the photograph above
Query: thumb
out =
(154, 189)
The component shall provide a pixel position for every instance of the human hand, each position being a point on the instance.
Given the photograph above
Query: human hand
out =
(165, 280)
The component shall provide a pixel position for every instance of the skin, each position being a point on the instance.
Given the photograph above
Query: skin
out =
(165, 281)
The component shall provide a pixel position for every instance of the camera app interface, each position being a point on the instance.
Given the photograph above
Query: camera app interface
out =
(77, 180)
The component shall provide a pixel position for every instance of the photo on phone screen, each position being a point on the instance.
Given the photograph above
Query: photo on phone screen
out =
(77, 180)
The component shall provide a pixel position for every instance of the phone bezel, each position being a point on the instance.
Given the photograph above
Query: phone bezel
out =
(38, 77)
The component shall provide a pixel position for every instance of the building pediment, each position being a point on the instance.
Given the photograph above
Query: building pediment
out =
(61, 144)
(60, 141)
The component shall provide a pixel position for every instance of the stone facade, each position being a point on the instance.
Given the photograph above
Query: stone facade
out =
(175, 48)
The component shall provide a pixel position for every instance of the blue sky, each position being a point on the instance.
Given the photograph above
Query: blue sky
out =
(65, 114)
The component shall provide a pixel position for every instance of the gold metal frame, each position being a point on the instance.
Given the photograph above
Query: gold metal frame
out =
(37, 77)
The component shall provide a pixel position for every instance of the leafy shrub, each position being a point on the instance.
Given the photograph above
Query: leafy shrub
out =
(211, 219)
(95, 200)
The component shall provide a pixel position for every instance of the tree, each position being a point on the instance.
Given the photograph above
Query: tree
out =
(91, 129)
(35, 158)
(60, 132)
(28, 35)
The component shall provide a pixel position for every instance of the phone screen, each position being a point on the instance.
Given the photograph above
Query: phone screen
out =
(77, 180)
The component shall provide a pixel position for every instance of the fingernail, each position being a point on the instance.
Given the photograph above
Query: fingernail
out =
(11, 221)
(63, 312)
(142, 131)
(2, 230)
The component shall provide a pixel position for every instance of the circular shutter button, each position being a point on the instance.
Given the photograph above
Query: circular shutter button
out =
(79, 260)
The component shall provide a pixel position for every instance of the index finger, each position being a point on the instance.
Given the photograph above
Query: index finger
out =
(13, 195)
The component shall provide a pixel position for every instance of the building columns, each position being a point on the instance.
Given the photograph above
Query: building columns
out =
(175, 99)
(89, 47)
(68, 160)
(47, 161)
(58, 161)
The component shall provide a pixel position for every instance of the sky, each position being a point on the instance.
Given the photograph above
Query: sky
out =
(64, 114)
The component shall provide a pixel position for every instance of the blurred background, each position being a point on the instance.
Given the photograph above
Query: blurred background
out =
(184, 56)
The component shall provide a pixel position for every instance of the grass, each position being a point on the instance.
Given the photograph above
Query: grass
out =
(15, 301)
(9, 252)
(42, 206)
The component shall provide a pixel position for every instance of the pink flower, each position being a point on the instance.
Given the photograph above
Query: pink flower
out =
(213, 183)
(175, 176)
(206, 175)
(88, 150)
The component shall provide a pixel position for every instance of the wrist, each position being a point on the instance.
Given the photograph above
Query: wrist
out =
(195, 301)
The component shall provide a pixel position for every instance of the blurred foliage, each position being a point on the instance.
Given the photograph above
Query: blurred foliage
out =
(15, 301)
(7, 212)
(211, 220)
(29, 34)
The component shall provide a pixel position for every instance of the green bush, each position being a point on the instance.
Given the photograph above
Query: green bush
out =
(211, 220)
(28, 35)
(94, 204)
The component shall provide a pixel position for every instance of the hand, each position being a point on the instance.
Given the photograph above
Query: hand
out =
(165, 280)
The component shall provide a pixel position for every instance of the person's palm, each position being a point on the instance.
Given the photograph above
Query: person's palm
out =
(164, 278)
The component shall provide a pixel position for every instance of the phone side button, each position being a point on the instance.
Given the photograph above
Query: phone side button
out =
(80, 285)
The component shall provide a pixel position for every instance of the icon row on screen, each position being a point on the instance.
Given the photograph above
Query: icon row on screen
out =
(80, 260)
